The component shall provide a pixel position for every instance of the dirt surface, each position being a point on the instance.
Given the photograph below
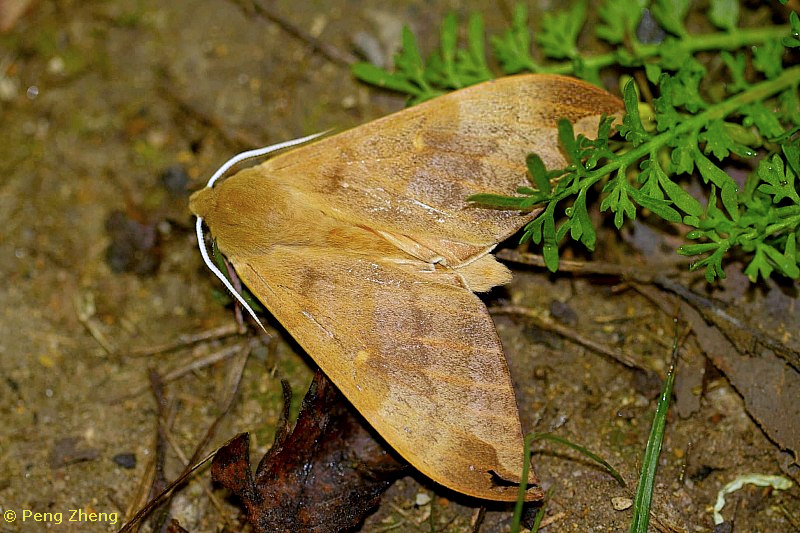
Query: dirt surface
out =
(112, 112)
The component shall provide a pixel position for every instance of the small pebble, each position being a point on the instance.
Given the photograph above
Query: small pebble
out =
(125, 460)
(621, 503)
(176, 180)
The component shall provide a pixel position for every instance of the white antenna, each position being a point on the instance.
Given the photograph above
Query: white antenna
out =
(250, 154)
(202, 244)
(259, 152)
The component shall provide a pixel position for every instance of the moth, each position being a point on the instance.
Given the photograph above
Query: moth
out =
(364, 247)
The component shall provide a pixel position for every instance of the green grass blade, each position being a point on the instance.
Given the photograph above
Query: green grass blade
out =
(523, 485)
(583, 451)
(644, 492)
(515, 522)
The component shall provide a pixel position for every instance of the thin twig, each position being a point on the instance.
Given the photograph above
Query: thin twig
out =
(166, 493)
(551, 325)
(237, 140)
(166, 415)
(476, 520)
(194, 364)
(184, 341)
(328, 51)
(713, 312)
(234, 378)
(550, 520)
(85, 308)
(139, 498)
(644, 274)
(197, 364)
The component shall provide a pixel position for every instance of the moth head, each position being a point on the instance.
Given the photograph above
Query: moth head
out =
(204, 202)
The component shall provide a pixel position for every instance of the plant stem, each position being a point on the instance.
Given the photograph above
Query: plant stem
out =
(753, 94)
(692, 43)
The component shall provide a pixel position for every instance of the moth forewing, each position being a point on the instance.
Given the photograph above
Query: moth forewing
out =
(364, 247)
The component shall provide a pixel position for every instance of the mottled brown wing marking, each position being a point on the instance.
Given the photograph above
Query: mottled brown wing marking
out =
(417, 355)
(431, 157)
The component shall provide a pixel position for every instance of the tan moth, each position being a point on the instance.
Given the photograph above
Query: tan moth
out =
(363, 246)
